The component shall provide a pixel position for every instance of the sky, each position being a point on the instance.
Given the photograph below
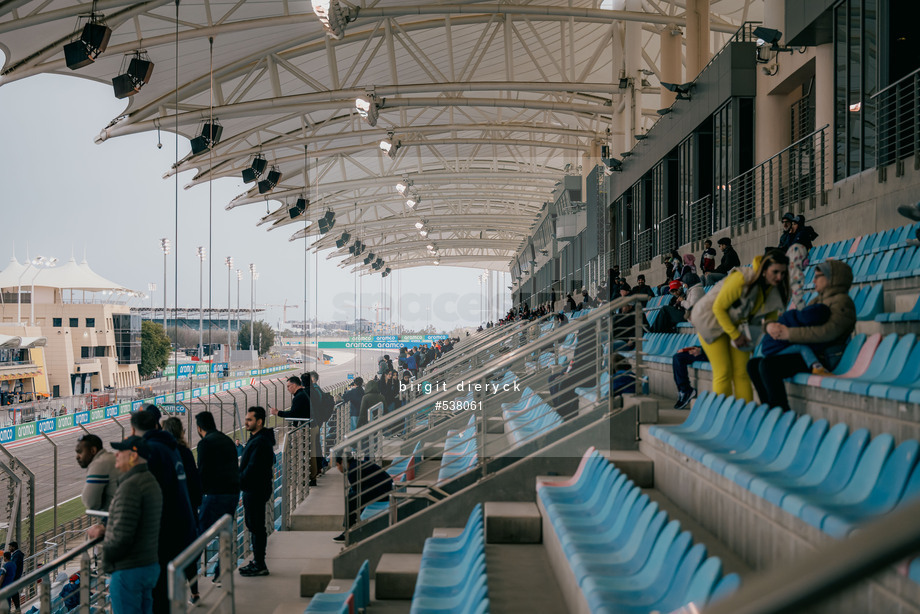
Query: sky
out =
(66, 196)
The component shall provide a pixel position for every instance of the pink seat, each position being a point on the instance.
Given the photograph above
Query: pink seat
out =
(855, 245)
(860, 365)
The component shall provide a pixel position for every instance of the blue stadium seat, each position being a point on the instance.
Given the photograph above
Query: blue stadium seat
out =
(359, 594)
(908, 316)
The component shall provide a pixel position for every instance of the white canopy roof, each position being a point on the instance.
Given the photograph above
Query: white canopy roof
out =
(69, 276)
(491, 102)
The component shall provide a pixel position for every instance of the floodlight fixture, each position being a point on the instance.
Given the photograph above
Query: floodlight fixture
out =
(419, 224)
(430, 247)
(390, 146)
(271, 180)
(437, 261)
(681, 89)
(767, 36)
(411, 201)
(368, 107)
(92, 43)
(138, 73)
(640, 137)
(255, 170)
(623, 83)
(209, 137)
(403, 186)
(334, 17)
(663, 112)
(423, 232)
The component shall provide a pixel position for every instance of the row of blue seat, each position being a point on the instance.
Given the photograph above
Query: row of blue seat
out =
(866, 244)
(529, 417)
(353, 601)
(625, 555)
(832, 481)
(883, 367)
(452, 575)
(460, 452)
(905, 316)
(892, 264)
(401, 470)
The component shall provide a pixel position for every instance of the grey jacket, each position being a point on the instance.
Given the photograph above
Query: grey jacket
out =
(133, 530)
(101, 482)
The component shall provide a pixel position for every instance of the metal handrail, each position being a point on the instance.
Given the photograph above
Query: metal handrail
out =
(45, 571)
(402, 413)
(896, 84)
(797, 585)
(176, 582)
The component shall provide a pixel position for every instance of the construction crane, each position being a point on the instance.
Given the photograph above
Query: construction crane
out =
(284, 309)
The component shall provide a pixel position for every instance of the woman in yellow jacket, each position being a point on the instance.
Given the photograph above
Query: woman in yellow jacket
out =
(744, 296)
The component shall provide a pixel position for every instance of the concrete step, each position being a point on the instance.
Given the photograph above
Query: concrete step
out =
(315, 575)
(521, 580)
(512, 522)
(324, 507)
(396, 575)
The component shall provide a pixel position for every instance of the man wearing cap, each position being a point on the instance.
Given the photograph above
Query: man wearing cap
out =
(129, 548)
(101, 475)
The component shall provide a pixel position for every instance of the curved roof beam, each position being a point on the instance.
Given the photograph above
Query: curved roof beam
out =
(443, 245)
(188, 163)
(477, 176)
(350, 149)
(434, 221)
(320, 101)
(472, 13)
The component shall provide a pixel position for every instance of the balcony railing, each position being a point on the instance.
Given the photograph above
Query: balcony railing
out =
(624, 255)
(700, 225)
(796, 176)
(645, 245)
(667, 234)
(897, 116)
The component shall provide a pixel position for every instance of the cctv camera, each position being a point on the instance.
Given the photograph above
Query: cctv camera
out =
(159, 145)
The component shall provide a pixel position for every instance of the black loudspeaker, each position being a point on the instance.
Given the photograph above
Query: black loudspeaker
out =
(255, 169)
(249, 175)
(210, 136)
(268, 184)
(125, 86)
(93, 41)
(199, 145)
(130, 83)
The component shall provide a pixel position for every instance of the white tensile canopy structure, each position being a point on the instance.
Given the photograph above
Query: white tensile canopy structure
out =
(489, 103)
(69, 276)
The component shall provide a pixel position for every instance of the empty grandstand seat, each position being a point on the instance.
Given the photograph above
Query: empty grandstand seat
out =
(530, 422)
(452, 575)
(623, 552)
(828, 480)
(460, 452)
(356, 598)
(908, 316)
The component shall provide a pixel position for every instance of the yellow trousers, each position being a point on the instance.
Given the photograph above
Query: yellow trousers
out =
(729, 366)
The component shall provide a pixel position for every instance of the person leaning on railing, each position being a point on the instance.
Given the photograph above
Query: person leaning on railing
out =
(130, 544)
(101, 475)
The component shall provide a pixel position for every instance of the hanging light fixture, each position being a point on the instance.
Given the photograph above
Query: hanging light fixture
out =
(368, 108)
(334, 17)
(389, 145)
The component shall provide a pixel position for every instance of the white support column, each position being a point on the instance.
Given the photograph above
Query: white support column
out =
(698, 38)
(671, 66)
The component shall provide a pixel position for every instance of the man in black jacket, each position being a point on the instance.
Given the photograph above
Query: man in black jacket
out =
(256, 483)
(220, 474)
(300, 402)
(730, 260)
(177, 523)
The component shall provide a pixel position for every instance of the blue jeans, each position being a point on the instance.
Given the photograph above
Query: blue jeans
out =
(354, 422)
(807, 354)
(131, 590)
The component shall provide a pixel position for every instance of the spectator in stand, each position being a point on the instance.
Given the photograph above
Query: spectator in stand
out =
(708, 257)
(412, 363)
(730, 260)
(680, 364)
(801, 233)
(401, 359)
(19, 560)
(219, 468)
(723, 318)
(367, 482)
(785, 237)
(239, 448)
(177, 522)
(70, 592)
(833, 279)
(135, 530)
(389, 388)
(173, 426)
(257, 486)
(570, 305)
(641, 287)
(371, 397)
(8, 574)
(353, 397)
(672, 314)
(688, 267)
(301, 410)
(101, 475)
